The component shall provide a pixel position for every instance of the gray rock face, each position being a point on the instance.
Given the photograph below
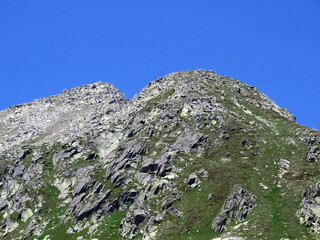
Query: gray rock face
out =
(126, 157)
(313, 155)
(92, 206)
(137, 125)
(312, 139)
(63, 155)
(309, 213)
(188, 141)
(18, 171)
(23, 154)
(143, 178)
(110, 207)
(74, 204)
(3, 204)
(136, 215)
(130, 197)
(164, 165)
(236, 207)
(79, 193)
(83, 185)
(148, 166)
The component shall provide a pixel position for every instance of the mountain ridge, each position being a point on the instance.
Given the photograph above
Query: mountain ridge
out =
(208, 154)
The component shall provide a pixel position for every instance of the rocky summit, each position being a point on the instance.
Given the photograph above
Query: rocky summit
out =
(194, 155)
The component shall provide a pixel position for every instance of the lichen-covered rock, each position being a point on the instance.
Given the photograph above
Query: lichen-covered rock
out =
(18, 171)
(126, 157)
(188, 141)
(130, 196)
(309, 213)
(135, 216)
(148, 166)
(236, 207)
(63, 155)
(313, 155)
(92, 206)
(3, 204)
(83, 185)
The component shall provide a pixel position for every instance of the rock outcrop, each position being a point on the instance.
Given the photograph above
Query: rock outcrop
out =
(236, 207)
(309, 213)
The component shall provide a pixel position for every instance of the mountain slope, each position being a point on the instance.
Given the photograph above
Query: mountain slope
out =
(194, 155)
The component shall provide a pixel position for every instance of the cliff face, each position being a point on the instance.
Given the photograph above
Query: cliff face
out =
(194, 155)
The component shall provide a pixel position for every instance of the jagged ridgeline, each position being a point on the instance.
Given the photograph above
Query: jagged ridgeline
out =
(195, 155)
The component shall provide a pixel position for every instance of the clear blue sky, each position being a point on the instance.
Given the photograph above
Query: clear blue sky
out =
(47, 46)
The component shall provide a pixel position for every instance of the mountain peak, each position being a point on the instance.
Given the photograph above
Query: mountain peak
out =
(60, 115)
(207, 154)
(94, 88)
